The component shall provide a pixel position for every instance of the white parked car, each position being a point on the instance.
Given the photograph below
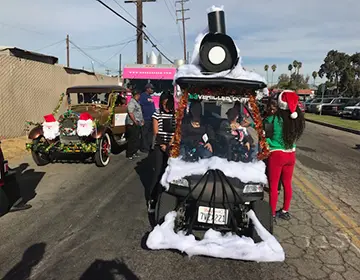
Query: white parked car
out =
(352, 112)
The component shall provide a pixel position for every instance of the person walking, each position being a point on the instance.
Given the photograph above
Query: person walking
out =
(289, 124)
(134, 121)
(164, 128)
(148, 109)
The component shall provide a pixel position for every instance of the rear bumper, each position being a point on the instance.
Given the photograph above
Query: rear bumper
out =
(217, 190)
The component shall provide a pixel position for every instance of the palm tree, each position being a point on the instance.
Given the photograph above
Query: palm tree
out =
(295, 64)
(266, 68)
(314, 75)
(290, 68)
(273, 68)
(299, 66)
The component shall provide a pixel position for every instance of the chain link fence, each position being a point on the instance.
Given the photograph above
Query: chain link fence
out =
(29, 90)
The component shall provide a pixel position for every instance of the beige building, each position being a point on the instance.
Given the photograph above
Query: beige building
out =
(30, 86)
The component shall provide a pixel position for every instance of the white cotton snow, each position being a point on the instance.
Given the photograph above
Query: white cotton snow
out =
(213, 8)
(215, 244)
(246, 172)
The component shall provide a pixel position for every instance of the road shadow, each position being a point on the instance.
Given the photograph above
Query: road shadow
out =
(315, 164)
(28, 180)
(144, 169)
(31, 257)
(108, 270)
(306, 149)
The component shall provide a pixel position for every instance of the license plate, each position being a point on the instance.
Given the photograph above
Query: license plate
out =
(205, 215)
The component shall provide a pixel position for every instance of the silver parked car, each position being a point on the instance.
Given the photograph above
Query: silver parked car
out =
(352, 112)
(316, 105)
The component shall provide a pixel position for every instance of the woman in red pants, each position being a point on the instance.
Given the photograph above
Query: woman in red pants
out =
(289, 124)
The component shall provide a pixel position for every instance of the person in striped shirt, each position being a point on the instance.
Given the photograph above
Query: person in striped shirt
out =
(164, 129)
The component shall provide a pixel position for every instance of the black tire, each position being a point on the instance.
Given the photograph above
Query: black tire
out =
(165, 204)
(102, 155)
(4, 202)
(262, 211)
(39, 158)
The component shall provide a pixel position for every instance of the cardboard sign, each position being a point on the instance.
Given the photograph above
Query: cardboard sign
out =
(120, 119)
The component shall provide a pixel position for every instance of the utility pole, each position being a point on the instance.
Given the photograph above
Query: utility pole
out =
(119, 79)
(67, 51)
(140, 25)
(183, 19)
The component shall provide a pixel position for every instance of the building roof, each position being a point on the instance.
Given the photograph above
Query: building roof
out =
(95, 89)
(30, 55)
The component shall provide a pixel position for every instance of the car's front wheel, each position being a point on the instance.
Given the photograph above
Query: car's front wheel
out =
(40, 158)
(102, 155)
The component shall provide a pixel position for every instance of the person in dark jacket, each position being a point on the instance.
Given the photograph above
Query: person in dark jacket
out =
(148, 109)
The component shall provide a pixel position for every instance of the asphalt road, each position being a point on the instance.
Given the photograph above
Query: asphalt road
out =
(91, 223)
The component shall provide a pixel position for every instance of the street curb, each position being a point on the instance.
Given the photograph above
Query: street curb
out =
(353, 131)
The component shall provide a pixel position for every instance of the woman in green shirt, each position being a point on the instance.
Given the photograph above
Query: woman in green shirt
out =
(289, 124)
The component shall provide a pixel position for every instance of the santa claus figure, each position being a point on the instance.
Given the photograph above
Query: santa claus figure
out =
(85, 124)
(50, 127)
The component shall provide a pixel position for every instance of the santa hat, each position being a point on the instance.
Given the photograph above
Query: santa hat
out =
(85, 116)
(49, 118)
(50, 127)
(288, 100)
(85, 124)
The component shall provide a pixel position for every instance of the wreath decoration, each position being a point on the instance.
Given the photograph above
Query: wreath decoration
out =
(68, 131)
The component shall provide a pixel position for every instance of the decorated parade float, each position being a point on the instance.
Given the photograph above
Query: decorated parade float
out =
(213, 203)
(92, 125)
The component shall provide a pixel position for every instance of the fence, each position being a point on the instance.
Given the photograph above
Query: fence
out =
(29, 90)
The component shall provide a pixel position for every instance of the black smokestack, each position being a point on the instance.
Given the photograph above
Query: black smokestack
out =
(216, 22)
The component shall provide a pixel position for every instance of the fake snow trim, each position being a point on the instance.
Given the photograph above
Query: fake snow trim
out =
(246, 172)
(51, 130)
(214, 244)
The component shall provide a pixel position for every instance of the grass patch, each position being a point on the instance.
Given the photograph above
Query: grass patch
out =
(14, 148)
(352, 124)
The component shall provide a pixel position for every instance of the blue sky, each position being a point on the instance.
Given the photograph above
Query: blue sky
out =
(266, 31)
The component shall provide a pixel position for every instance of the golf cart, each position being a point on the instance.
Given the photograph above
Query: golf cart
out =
(220, 190)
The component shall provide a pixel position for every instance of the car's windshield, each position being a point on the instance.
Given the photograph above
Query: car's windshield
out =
(340, 100)
(353, 102)
(86, 98)
(218, 128)
(317, 100)
(327, 100)
(160, 86)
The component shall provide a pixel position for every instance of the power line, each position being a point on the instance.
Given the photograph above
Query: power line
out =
(139, 29)
(120, 43)
(121, 7)
(144, 27)
(22, 28)
(177, 26)
(87, 55)
(53, 44)
(118, 52)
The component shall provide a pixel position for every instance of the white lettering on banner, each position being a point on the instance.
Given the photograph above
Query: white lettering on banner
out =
(223, 98)
(120, 119)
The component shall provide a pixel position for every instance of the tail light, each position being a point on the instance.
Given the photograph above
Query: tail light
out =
(6, 166)
(335, 108)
